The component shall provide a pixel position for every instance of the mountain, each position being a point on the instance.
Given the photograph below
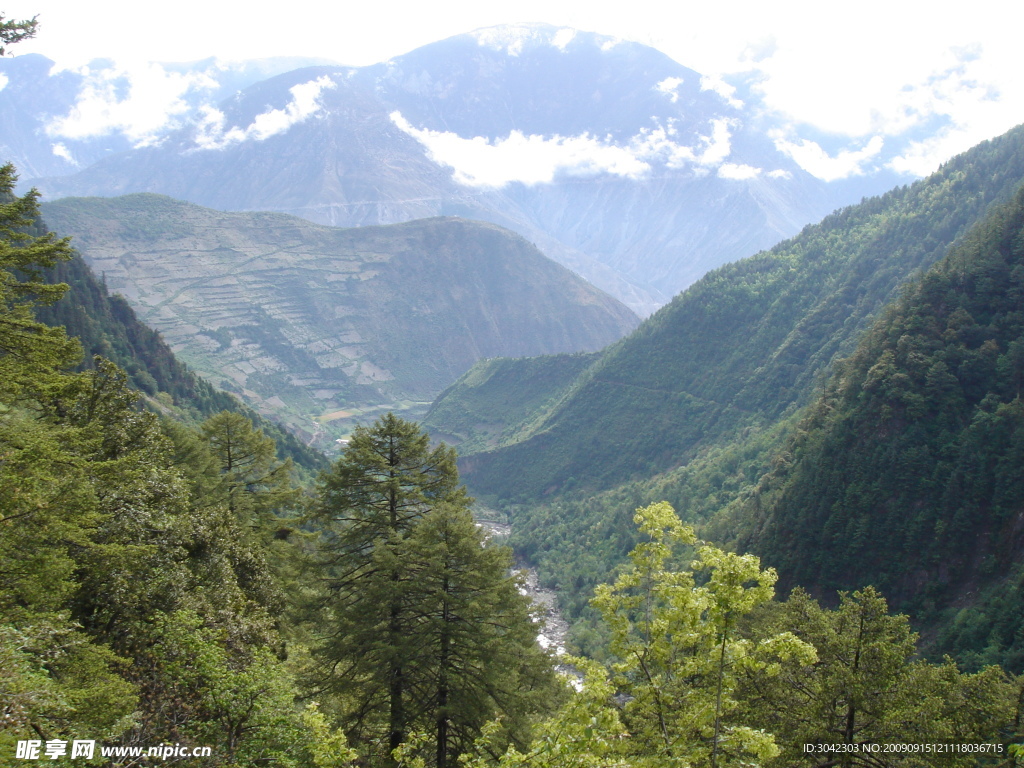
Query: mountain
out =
(318, 324)
(627, 167)
(747, 343)
(696, 405)
(476, 410)
(56, 121)
(106, 325)
(908, 471)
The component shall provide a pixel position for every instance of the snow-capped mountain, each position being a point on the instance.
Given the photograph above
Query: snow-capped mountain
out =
(633, 170)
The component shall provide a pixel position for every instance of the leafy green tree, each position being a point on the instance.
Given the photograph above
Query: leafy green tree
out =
(682, 642)
(866, 688)
(680, 652)
(585, 732)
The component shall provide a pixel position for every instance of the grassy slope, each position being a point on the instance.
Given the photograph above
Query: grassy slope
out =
(474, 412)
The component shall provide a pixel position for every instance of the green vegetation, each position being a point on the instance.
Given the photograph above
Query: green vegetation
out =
(167, 582)
(146, 570)
(747, 344)
(135, 606)
(906, 473)
(707, 671)
(423, 627)
(697, 405)
(495, 394)
(156, 587)
(12, 31)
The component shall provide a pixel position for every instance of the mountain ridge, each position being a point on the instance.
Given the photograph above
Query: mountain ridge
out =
(641, 178)
(757, 334)
(320, 323)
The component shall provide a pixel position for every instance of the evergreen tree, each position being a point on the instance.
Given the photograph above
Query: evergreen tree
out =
(253, 481)
(29, 350)
(370, 500)
(12, 31)
(422, 629)
(475, 638)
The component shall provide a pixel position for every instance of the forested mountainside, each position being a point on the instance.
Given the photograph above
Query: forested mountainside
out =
(749, 340)
(149, 569)
(693, 405)
(907, 473)
(322, 326)
(168, 591)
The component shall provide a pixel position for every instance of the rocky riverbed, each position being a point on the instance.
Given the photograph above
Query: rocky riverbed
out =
(555, 627)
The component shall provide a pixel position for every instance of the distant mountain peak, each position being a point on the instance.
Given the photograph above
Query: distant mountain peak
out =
(512, 39)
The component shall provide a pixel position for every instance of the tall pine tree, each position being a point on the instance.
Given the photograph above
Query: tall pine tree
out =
(421, 626)
(382, 486)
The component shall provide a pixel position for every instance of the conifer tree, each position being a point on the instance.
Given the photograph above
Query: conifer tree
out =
(12, 31)
(253, 480)
(476, 641)
(30, 351)
(422, 627)
(370, 501)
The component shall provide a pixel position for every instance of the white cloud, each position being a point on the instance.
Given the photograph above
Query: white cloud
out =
(717, 146)
(563, 37)
(62, 152)
(810, 156)
(738, 172)
(924, 157)
(710, 150)
(138, 101)
(305, 102)
(873, 70)
(668, 86)
(718, 85)
(3, 81)
(534, 159)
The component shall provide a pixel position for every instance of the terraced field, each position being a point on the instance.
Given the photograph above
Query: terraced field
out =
(322, 327)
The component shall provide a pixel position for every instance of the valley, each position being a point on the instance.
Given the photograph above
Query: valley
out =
(322, 386)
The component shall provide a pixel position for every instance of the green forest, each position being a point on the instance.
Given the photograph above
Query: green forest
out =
(726, 381)
(172, 581)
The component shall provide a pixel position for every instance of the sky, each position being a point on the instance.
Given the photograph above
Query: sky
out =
(858, 72)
